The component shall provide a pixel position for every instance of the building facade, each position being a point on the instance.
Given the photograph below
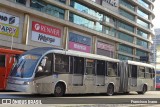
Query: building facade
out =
(115, 28)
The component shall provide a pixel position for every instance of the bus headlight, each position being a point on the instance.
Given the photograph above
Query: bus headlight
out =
(26, 83)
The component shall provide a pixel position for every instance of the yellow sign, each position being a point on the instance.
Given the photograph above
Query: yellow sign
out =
(9, 30)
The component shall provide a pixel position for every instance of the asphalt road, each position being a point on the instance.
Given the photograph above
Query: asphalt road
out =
(150, 99)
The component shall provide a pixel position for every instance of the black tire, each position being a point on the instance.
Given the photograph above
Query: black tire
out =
(144, 90)
(110, 90)
(59, 90)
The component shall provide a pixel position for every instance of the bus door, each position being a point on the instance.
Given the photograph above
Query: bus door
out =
(123, 76)
(78, 71)
(3, 70)
(133, 79)
(89, 77)
(100, 73)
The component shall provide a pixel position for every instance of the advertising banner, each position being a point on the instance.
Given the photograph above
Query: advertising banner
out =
(46, 34)
(79, 42)
(9, 25)
(105, 46)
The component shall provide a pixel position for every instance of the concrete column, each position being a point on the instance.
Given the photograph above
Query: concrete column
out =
(116, 50)
(94, 45)
(134, 53)
(25, 29)
(65, 38)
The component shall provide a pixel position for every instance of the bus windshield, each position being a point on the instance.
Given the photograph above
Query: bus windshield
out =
(25, 65)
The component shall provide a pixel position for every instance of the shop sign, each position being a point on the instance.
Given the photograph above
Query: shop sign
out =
(79, 47)
(46, 34)
(9, 25)
(105, 46)
(113, 3)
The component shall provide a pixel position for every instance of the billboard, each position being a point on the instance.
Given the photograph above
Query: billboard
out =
(46, 34)
(9, 25)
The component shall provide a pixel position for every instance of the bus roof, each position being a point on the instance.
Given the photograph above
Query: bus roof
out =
(4, 50)
(140, 64)
(86, 55)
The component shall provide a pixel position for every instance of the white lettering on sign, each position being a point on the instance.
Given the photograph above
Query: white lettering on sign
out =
(79, 47)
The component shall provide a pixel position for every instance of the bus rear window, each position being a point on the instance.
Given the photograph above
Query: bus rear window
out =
(2, 60)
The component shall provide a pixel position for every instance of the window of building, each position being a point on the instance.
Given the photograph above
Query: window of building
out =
(126, 14)
(81, 21)
(143, 3)
(61, 63)
(126, 26)
(21, 2)
(142, 23)
(140, 53)
(85, 9)
(2, 60)
(62, 1)
(142, 43)
(142, 33)
(90, 66)
(142, 13)
(100, 67)
(126, 49)
(110, 19)
(47, 8)
(125, 37)
(112, 69)
(127, 4)
(124, 57)
(110, 31)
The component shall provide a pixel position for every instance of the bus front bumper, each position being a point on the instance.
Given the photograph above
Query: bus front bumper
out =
(30, 88)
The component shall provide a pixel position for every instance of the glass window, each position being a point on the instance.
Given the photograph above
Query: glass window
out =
(81, 21)
(126, 49)
(2, 60)
(125, 37)
(142, 23)
(85, 9)
(100, 67)
(127, 4)
(142, 43)
(45, 67)
(90, 66)
(110, 19)
(110, 31)
(142, 72)
(142, 13)
(126, 14)
(143, 3)
(78, 65)
(21, 2)
(126, 26)
(61, 63)
(112, 69)
(124, 57)
(134, 71)
(140, 53)
(62, 1)
(142, 33)
(47, 8)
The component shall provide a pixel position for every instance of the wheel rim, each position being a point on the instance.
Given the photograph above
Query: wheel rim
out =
(110, 90)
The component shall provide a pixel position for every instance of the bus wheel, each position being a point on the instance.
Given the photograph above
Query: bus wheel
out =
(144, 90)
(59, 90)
(110, 90)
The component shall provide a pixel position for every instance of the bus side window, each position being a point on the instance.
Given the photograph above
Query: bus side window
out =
(112, 69)
(141, 72)
(90, 66)
(61, 63)
(2, 60)
(100, 67)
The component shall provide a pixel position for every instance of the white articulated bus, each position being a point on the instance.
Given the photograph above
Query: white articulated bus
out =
(53, 71)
